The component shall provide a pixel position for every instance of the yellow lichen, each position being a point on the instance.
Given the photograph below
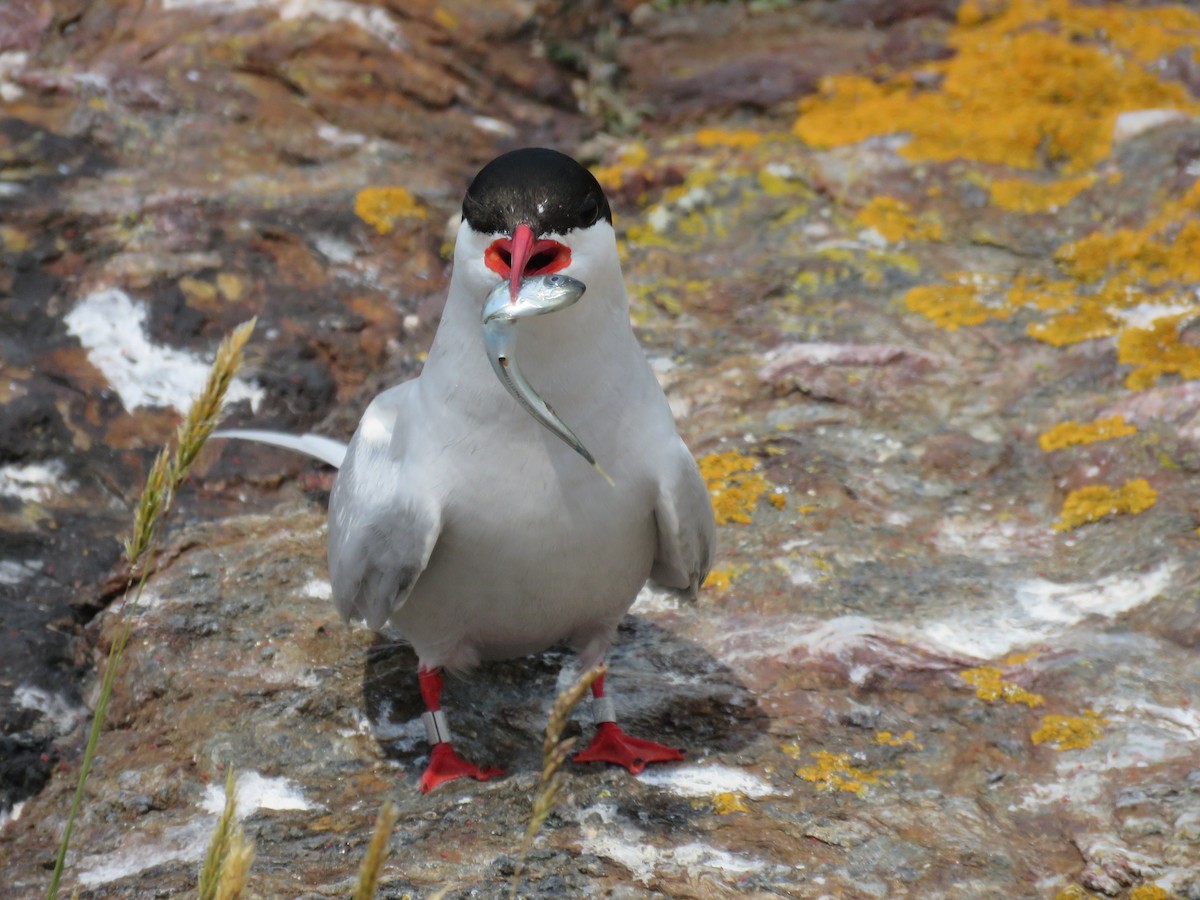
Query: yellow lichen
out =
(721, 137)
(1095, 501)
(1073, 892)
(383, 207)
(1090, 321)
(728, 802)
(666, 293)
(887, 739)
(1149, 892)
(1166, 249)
(1029, 196)
(1017, 659)
(1069, 732)
(735, 485)
(1157, 350)
(1070, 434)
(835, 772)
(1043, 294)
(894, 219)
(775, 185)
(952, 306)
(1040, 83)
(13, 240)
(718, 579)
(630, 157)
(990, 685)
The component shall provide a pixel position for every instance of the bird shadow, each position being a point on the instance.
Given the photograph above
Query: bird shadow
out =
(665, 688)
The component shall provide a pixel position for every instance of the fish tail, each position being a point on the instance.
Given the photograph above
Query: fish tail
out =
(607, 477)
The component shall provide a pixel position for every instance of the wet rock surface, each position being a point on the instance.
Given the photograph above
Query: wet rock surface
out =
(941, 393)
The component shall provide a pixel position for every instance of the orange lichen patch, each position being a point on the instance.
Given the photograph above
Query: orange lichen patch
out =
(735, 485)
(1094, 502)
(1159, 253)
(1039, 84)
(718, 579)
(383, 207)
(629, 158)
(952, 306)
(1029, 196)
(894, 219)
(1157, 350)
(990, 685)
(887, 739)
(1043, 294)
(1070, 434)
(1089, 322)
(728, 802)
(1149, 892)
(1017, 659)
(1069, 732)
(1146, 35)
(834, 772)
(720, 137)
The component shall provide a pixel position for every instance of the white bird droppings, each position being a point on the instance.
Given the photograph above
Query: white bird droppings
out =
(318, 589)
(605, 834)
(112, 328)
(255, 792)
(704, 781)
(55, 707)
(34, 482)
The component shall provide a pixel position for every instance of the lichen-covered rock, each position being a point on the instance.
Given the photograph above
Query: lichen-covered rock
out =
(922, 296)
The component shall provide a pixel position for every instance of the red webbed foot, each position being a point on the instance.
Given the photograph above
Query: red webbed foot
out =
(446, 765)
(613, 745)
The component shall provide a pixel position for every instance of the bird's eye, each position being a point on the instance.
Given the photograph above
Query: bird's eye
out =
(589, 212)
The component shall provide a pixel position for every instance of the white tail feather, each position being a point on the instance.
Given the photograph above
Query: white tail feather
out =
(318, 446)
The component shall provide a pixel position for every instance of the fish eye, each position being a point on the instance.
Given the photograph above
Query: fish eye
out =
(589, 211)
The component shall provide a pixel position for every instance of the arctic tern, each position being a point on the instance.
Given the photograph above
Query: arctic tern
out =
(463, 520)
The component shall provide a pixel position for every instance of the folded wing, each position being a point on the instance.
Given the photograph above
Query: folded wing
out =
(686, 530)
(382, 525)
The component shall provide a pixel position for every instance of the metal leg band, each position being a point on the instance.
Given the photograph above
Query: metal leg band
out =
(603, 710)
(437, 730)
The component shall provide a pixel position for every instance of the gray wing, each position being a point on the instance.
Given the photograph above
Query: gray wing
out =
(686, 531)
(382, 525)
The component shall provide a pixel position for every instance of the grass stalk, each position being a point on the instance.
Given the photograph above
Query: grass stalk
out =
(235, 867)
(555, 751)
(166, 476)
(219, 843)
(372, 864)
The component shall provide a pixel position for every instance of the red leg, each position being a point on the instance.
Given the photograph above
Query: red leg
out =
(444, 763)
(611, 744)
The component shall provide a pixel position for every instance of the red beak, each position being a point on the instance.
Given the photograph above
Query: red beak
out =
(522, 249)
(522, 255)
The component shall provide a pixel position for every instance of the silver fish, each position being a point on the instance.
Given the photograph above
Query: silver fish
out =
(538, 295)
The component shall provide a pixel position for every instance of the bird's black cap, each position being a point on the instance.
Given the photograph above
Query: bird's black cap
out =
(545, 189)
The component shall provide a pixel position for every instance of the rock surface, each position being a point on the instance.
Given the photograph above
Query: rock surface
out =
(920, 280)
